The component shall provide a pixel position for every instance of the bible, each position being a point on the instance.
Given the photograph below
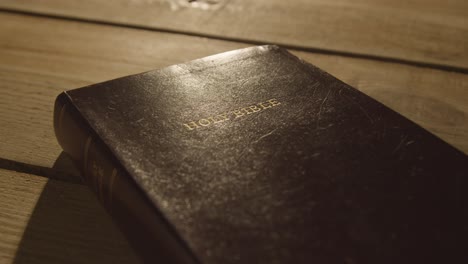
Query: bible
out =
(255, 156)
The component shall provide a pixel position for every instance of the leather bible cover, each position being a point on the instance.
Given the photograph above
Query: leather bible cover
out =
(254, 156)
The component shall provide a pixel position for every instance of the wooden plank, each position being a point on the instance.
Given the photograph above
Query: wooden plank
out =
(427, 31)
(47, 221)
(41, 57)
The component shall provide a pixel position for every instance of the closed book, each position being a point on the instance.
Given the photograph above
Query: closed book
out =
(255, 156)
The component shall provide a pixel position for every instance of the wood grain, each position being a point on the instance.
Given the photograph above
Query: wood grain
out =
(40, 57)
(428, 31)
(48, 221)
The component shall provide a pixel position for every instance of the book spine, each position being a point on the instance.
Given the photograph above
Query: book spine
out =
(147, 231)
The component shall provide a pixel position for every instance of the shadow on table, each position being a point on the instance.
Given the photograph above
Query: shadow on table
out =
(68, 225)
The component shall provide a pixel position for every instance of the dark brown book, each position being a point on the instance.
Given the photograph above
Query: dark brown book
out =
(254, 156)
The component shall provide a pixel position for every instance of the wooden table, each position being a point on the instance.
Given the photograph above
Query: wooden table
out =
(410, 55)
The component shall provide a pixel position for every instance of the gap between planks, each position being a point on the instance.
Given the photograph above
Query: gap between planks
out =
(62, 170)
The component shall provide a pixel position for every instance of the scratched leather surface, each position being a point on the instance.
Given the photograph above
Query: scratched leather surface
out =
(327, 176)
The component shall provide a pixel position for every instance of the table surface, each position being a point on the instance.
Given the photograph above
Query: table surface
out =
(410, 55)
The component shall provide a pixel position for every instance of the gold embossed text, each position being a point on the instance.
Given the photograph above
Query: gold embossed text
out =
(230, 115)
